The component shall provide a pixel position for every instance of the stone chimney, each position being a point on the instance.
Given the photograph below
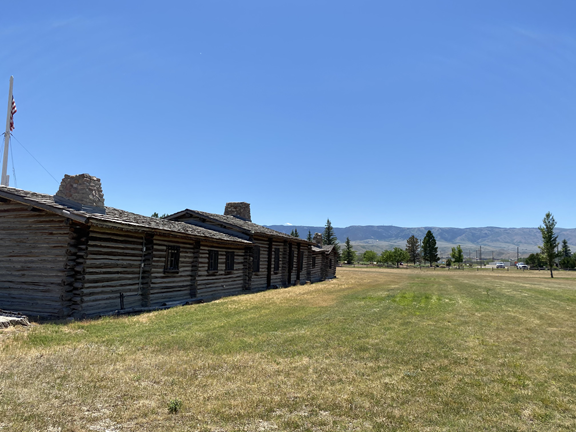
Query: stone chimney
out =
(318, 239)
(241, 210)
(81, 192)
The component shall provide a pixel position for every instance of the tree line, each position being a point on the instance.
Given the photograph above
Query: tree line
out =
(550, 255)
(427, 251)
(415, 251)
(565, 259)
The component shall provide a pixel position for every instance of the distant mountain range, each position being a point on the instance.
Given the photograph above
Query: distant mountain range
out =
(500, 241)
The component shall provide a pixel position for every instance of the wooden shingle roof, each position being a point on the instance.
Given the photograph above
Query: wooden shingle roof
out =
(326, 249)
(114, 216)
(235, 222)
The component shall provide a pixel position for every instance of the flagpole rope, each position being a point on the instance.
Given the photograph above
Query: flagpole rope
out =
(12, 135)
(13, 168)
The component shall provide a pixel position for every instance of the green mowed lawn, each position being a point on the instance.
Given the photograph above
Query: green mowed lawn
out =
(421, 350)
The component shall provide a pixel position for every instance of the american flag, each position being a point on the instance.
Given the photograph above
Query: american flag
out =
(14, 110)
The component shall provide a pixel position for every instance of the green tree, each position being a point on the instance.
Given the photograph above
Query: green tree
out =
(369, 256)
(155, 215)
(349, 254)
(329, 238)
(457, 255)
(566, 252)
(294, 233)
(534, 260)
(549, 241)
(386, 257)
(429, 248)
(413, 249)
(567, 260)
(449, 262)
(399, 255)
(309, 238)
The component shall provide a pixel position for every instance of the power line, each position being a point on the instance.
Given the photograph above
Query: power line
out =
(12, 135)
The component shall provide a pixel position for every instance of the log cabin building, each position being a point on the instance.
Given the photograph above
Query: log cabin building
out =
(68, 255)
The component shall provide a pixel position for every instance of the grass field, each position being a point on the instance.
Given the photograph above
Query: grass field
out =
(374, 350)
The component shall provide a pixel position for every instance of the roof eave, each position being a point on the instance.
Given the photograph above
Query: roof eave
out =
(62, 212)
(139, 228)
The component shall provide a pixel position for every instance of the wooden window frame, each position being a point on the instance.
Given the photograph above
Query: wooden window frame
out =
(172, 260)
(229, 263)
(256, 260)
(213, 258)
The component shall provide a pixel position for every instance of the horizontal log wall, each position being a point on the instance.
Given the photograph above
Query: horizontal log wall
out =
(278, 278)
(316, 271)
(259, 278)
(247, 268)
(304, 269)
(167, 287)
(33, 247)
(220, 283)
(309, 264)
(331, 272)
(113, 265)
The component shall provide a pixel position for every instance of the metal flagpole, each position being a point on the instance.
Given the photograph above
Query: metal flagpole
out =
(5, 177)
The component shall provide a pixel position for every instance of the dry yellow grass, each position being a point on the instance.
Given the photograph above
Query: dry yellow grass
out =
(418, 350)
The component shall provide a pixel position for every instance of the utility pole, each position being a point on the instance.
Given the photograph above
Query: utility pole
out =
(480, 256)
(517, 254)
(5, 180)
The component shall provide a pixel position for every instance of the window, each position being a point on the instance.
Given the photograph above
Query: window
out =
(256, 262)
(276, 259)
(172, 263)
(229, 261)
(313, 262)
(212, 260)
(330, 265)
(301, 264)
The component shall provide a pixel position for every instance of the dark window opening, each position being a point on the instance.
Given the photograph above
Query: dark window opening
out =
(256, 262)
(301, 263)
(291, 262)
(277, 259)
(313, 262)
(330, 265)
(229, 261)
(172, 263)
(212, 260)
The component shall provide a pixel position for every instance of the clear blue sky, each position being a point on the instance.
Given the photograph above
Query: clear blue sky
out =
(410, 113)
